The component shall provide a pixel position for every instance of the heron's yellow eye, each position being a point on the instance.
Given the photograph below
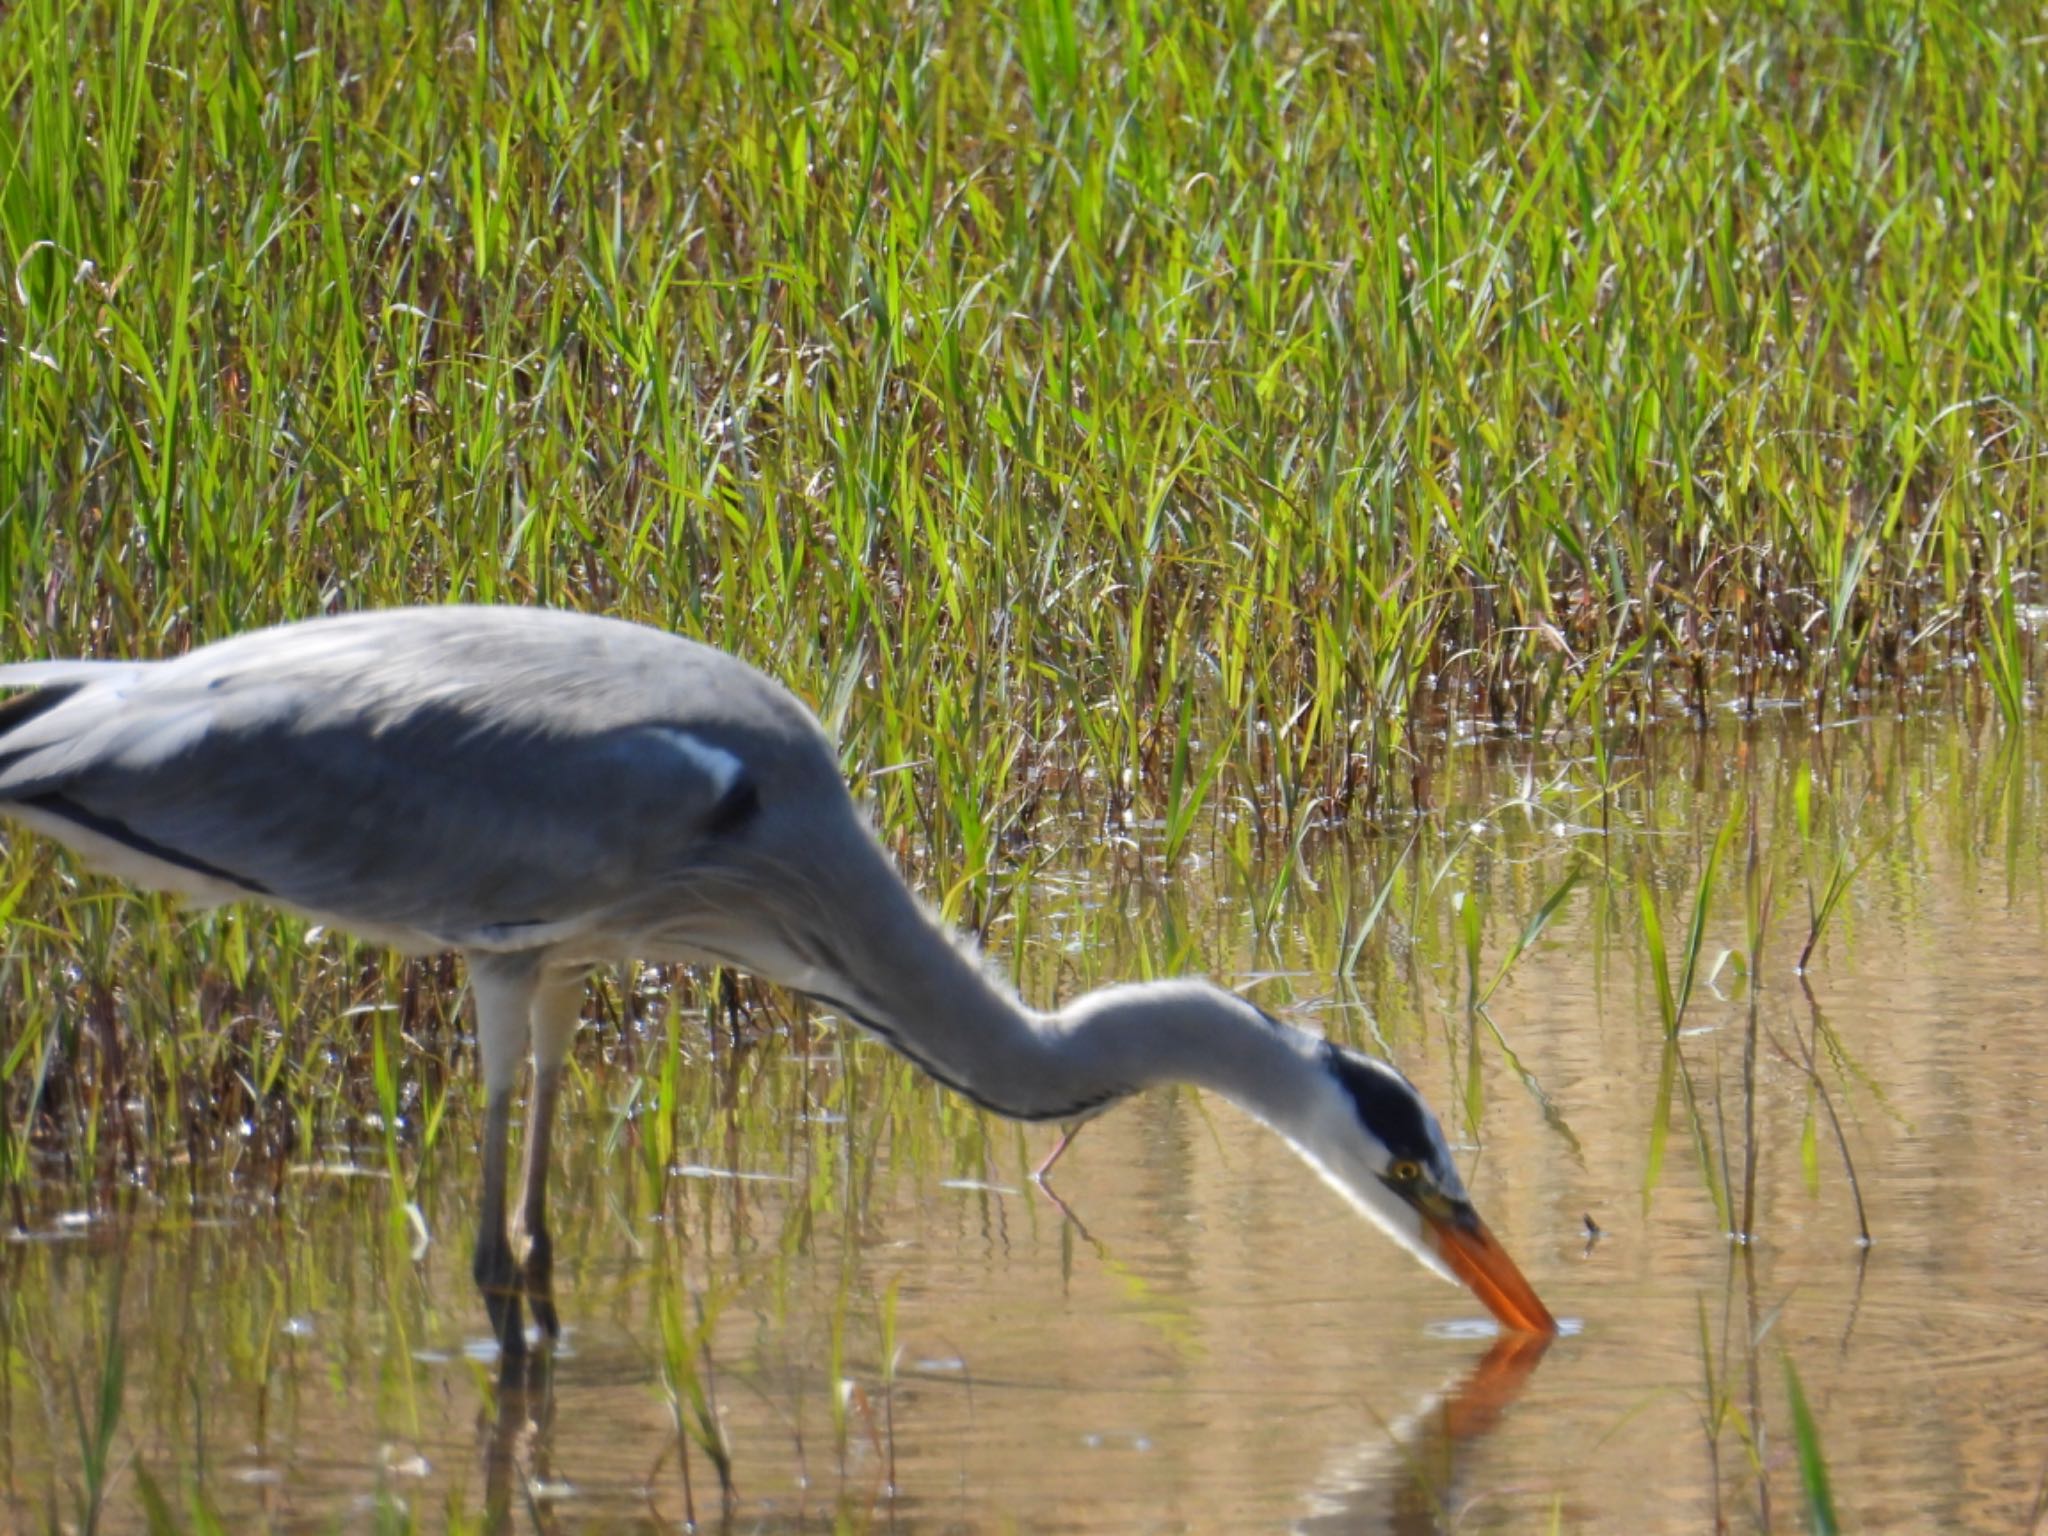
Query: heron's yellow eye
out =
(1405, 1171)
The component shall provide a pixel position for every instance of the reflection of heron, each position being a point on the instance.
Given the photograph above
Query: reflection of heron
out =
(547, 792)
(1418, 1488)
(517, 1439)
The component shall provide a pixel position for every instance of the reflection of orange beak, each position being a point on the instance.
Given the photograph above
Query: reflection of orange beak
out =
(1462, 1241)
(1492, 1387)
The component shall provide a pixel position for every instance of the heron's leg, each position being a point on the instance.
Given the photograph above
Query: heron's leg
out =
(557, 1009)
(504, 987)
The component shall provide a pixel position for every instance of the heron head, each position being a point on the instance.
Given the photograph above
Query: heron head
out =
(1383, 1150)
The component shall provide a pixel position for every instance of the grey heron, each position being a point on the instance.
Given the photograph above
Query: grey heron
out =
(548, 792)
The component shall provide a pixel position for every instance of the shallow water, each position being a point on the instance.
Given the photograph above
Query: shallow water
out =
(893, 1329)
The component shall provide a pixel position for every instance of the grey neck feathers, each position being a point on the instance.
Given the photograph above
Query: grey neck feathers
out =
(897, 974)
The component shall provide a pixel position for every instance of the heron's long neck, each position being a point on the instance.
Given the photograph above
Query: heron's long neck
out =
(901, 977)
(905, 980)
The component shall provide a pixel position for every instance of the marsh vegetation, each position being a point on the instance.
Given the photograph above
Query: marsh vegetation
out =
(1508, 531)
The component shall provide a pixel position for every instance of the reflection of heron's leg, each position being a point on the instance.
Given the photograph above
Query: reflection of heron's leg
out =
(525, 1417)
(1038, 1177)
(1068, 1212)
(557, 1008)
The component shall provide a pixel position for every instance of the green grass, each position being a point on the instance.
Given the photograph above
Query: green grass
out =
(1034, 379)
(1168, 422)
(1813, 1467)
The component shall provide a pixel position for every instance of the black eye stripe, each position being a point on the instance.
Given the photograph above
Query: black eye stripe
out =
(1385, 1104)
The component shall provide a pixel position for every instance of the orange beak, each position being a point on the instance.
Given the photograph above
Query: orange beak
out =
(1462, 1242)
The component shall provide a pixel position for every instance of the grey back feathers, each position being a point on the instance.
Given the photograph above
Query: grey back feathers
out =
(444, 778)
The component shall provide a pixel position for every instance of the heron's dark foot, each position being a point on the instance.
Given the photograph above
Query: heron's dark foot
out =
(537, 1281)
(508, 1325)
(497, 1277)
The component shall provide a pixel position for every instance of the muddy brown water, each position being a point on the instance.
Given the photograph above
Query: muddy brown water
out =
(894, 1330)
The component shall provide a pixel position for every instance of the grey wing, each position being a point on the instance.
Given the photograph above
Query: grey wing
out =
(46, 674)
(458, 817)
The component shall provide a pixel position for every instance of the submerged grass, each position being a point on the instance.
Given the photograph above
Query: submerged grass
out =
(1813, 1467)
(674, 1116)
